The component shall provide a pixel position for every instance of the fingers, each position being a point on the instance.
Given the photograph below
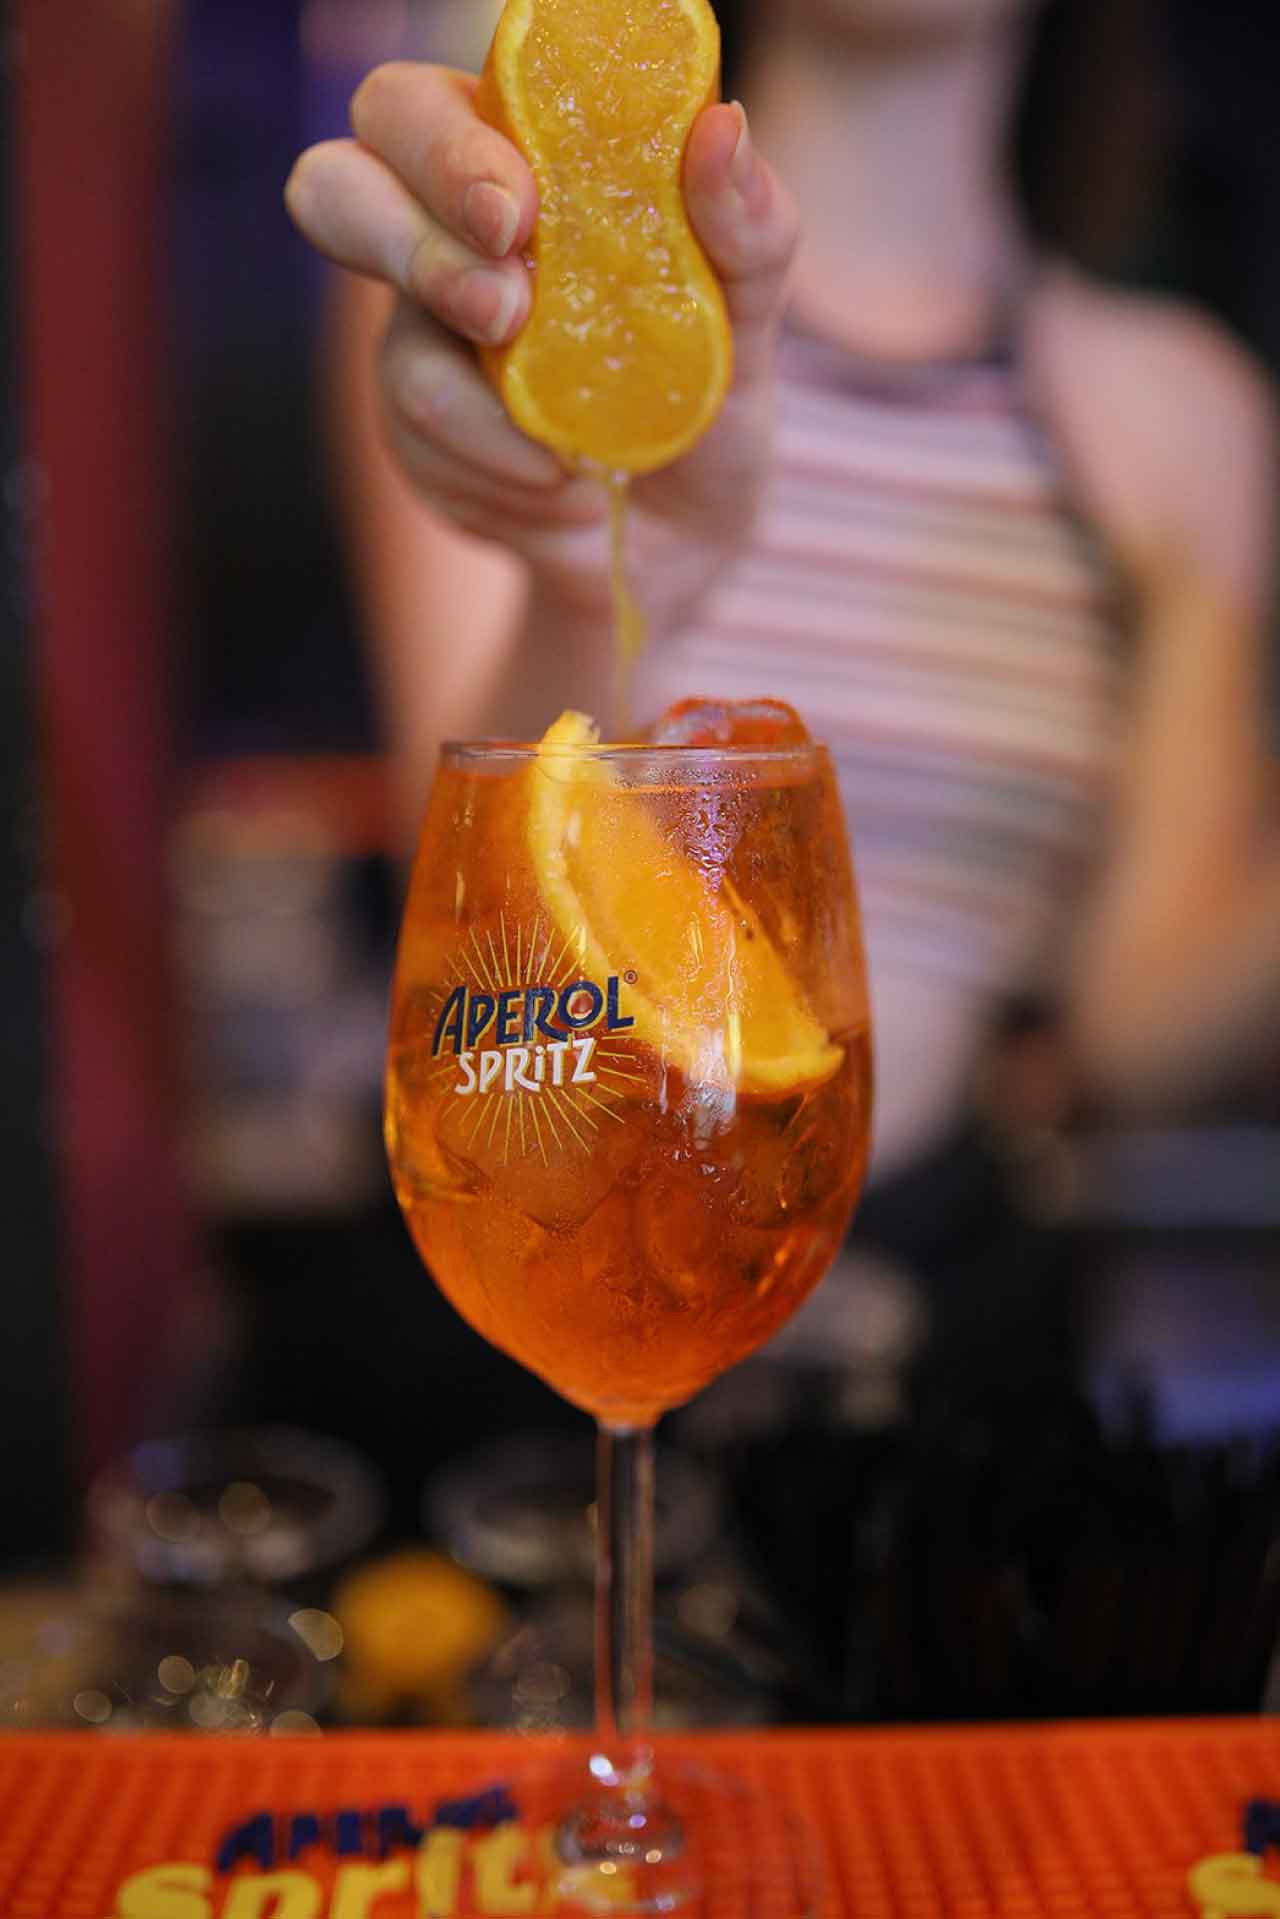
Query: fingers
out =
(438, 203)
(452, 434)
(749, 226)
(427, 197)
(357, 212)
(422, 122)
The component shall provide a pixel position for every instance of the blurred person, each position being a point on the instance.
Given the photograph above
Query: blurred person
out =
(1002, 533)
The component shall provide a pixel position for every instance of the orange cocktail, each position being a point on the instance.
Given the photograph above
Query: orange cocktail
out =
(629, 1076)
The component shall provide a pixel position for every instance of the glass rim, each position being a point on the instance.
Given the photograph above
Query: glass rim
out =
(798, 753)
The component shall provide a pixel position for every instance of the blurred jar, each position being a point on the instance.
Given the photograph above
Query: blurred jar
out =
(94, 1660)
(259, 1508)
(285, 1011)
(522, 1516)
(522, 1513)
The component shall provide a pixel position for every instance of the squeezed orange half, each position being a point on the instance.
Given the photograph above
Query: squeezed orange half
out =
(627, 355)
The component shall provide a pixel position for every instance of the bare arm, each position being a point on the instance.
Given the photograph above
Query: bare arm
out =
(462, 644)
(443, 608)
(1175, 987)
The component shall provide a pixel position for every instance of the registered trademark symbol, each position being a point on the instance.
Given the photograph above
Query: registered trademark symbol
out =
(630, 976)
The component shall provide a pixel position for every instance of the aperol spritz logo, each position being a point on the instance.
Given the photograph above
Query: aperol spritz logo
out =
(465, 1859)
(522, 1026)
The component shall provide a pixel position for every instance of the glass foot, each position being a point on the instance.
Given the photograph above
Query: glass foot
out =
(685, 1839)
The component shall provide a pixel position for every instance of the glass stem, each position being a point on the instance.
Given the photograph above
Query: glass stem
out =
(624, 1825)
(624, 1598)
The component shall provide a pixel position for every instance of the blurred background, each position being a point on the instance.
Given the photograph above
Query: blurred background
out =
(226, 1384)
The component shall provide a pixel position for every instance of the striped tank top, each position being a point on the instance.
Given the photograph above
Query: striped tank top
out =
(922, 591)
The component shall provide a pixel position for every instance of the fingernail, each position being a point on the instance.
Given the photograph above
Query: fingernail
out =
(486, 304)
(744, 167)
(492, 216)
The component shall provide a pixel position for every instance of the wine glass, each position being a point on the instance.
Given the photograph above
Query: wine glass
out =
(627, 1116)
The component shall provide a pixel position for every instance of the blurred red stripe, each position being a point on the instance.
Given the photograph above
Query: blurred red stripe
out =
(92, 161)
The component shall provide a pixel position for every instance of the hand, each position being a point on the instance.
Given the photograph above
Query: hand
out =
(433, 201)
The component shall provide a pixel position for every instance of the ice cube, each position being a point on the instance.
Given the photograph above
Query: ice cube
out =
(793, 1155)
(552, 1156)
(681, 1237)
(730, 723)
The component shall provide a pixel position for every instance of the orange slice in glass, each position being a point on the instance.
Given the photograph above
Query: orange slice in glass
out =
(711, 995)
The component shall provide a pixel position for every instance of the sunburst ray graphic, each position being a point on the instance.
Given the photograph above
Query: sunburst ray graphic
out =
(502, 1117)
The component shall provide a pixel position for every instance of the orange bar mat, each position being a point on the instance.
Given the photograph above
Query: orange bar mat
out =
(1062, 1822)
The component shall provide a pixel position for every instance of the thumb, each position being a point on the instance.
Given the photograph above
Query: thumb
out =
(749, 226)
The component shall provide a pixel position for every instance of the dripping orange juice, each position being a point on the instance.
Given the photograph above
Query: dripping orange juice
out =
(630, 627)
(628, 1099)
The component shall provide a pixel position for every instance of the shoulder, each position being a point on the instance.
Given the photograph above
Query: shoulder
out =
(1166, 364)
(1169, 422)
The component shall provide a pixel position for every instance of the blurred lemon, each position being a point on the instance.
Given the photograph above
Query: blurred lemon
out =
(415, 1624)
